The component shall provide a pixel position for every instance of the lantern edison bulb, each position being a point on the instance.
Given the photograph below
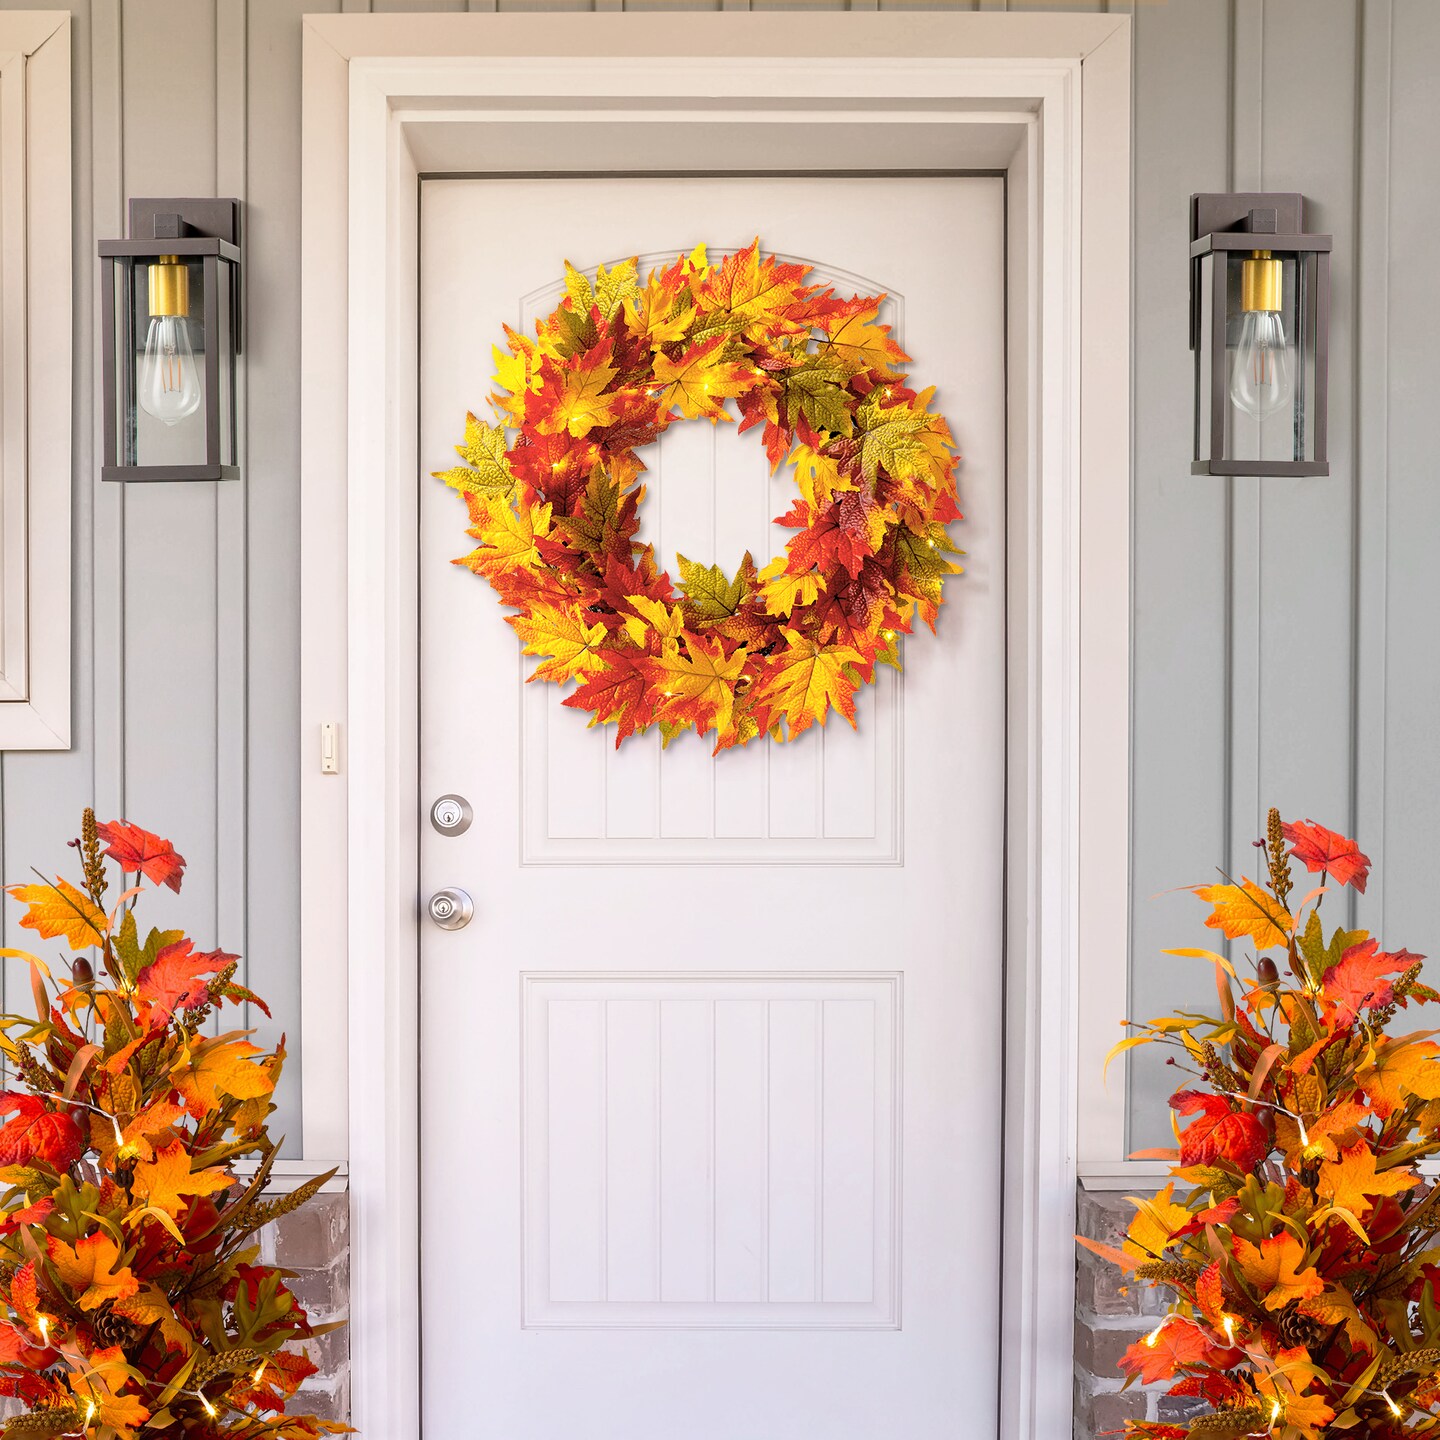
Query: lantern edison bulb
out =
(169, 388)
(1260, 383)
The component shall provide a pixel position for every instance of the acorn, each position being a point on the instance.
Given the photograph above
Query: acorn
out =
(81, 972)
(1266, 972)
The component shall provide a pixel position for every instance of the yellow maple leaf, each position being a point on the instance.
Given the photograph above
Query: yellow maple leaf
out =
(806, 679)
(648, 311)
(167, 1180)
(508, 534)
(1155, 1222)
(514, 372)
(1247, 910)
(92, 1270)
(61, 910)
(578, 402)
(564, 637)
(818, 476)
(486, 470)
(699, 382)
(652, 616)
(782, 591)
(209, 1069)
(1399, 1070)
(1279, 1268)
(698, 684)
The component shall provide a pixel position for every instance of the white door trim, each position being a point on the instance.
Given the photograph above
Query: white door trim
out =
(387, 98)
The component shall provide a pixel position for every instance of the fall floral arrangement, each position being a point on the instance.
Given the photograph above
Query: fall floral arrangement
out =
(128, 1261)
(556, 509)
(1305, 1257)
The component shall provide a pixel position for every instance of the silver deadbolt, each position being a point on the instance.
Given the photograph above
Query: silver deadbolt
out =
(451, 909)
(451, 815)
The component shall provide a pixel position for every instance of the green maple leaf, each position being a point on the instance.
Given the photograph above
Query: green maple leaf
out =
(486, 470)
(818, 392)
(135, 957)
(1320, 957)
(891, 446)
(709, 593)
(922, 566)
(613, 287)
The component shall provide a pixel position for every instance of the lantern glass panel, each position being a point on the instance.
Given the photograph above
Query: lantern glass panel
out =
(1269, 360)
(162, 354)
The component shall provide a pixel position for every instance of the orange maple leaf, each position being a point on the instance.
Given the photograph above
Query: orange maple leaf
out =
(139, 852)
(1322, 851)
(1279, 1268)
(862, 344)
(697, 684)
(92, 1270)
(61, 910)
(1247, 910)
(99, 1386)
(806, 679)
(1174, 1343)
(1351, 1182)
(1400, 1069)
(168, 1179)
(211, 1068)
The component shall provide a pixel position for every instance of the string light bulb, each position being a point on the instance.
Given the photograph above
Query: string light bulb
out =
(1229, 1326)
(210, 1410)
(1153, 1338)
(42, 1324)
(89, 1411)
(259, 1371)
(1395, 1410)
(1275, 1408)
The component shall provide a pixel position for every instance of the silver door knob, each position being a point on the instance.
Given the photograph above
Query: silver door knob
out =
(451, 909)
(451, 815)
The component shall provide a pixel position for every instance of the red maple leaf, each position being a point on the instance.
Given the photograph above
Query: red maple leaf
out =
(176, 981)
(1359, 979)
(618, 693)
(36, 1133)
(1323, 851)
(1233, 1137)
(137, 851)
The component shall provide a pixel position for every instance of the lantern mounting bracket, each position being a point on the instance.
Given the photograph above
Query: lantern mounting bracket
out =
(1262, 214)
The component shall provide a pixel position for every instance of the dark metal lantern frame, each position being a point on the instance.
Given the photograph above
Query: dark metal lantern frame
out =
(1223, 227)
(206, 231)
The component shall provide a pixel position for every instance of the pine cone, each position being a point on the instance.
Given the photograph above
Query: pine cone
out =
(1297, 1328)
(112, 1329)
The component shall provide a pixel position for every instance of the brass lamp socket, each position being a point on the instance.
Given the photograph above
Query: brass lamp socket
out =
(170, 286)
(1262, 284)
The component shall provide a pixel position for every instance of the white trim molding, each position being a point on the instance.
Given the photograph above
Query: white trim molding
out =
(388, 99)
(35, 391)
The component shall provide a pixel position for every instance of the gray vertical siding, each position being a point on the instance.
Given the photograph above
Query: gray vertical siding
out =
(1282, 649)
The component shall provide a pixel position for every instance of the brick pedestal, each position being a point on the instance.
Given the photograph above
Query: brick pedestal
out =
(1106, 1322)
(314, 1241)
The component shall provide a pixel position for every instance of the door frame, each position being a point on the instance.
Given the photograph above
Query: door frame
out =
(388, 99)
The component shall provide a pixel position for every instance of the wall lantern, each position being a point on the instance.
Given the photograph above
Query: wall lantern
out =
(1259, 327)
(170, 318)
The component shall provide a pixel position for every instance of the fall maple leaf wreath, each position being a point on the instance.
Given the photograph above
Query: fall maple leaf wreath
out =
(556, 508)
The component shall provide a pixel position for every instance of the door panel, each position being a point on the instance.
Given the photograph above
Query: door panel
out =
(711, 1085)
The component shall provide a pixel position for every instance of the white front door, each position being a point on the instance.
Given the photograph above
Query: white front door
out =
(711, 1085)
